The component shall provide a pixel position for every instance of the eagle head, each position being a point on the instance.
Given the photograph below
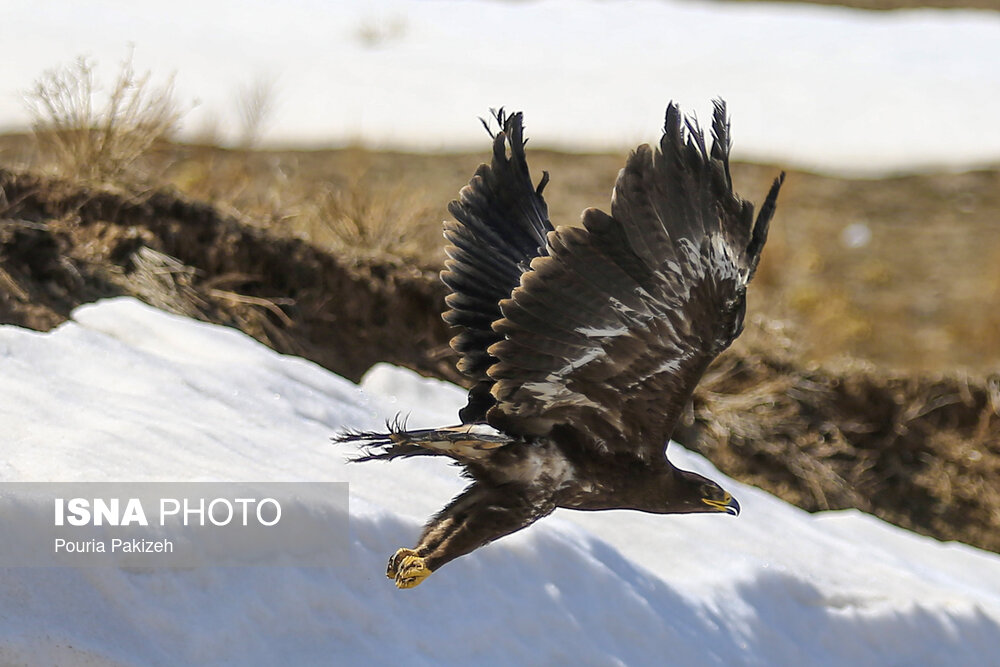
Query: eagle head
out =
(694, 493)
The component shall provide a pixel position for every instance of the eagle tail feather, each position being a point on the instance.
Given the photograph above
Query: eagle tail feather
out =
(760, 227)
(468, 442)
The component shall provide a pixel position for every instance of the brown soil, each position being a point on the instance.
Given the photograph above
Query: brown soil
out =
(920, 451)
(63, 245)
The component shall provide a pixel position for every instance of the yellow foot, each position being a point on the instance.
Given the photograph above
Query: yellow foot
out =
(407, 568)
(393, 567)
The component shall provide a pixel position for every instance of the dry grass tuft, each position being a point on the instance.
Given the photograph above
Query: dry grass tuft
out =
(367, 218)
(95, 138)
(377, 31)
(256, 103)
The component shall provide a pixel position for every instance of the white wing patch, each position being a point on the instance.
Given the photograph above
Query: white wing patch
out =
(723, 263)
(476, 429)
(672, 365)
(602, 332)
(554, 394)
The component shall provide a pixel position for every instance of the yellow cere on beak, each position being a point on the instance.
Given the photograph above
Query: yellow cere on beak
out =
(728, 504)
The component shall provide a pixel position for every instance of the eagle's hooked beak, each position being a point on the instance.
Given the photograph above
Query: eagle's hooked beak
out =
(728, 504)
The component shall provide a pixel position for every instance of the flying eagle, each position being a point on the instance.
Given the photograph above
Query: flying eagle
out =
(583, 344)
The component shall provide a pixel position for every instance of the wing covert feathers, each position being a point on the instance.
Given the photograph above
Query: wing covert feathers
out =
(599, 334)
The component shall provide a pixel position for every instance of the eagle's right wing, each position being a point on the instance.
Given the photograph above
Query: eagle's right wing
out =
(609, 332)
(501, 225)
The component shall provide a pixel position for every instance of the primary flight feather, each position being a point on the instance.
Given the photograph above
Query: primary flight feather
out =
(583, 343)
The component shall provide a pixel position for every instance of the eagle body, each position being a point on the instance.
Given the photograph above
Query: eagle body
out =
(583, 344)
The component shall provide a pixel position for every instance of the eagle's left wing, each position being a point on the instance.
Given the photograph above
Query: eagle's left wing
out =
(609, 332)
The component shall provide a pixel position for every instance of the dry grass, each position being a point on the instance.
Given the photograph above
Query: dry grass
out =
(256, 103)
(376, 31)
(92, 137)
(368, 219)
(346, 205)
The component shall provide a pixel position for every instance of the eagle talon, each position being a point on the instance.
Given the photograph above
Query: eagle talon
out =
(410, 569)
(394, 561)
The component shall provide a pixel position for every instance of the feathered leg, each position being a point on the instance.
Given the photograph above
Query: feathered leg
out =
(479, 515)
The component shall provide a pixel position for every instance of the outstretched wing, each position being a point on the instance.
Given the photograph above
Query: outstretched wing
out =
(611, 329)
(501, 225)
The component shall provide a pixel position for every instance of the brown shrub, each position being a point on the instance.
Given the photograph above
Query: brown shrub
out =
(99, 139)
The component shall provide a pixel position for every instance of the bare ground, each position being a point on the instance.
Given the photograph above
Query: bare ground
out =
(62, 245)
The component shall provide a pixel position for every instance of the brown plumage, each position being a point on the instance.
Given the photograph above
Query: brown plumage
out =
(583, 344)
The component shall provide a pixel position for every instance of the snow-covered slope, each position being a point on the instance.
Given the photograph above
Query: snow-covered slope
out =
(821, 87)
(126, 392)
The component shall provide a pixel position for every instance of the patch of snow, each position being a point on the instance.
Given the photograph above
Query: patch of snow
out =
(856, 235)
(820, 87)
